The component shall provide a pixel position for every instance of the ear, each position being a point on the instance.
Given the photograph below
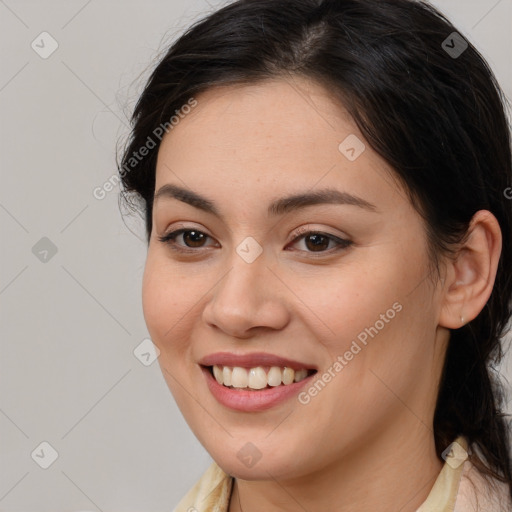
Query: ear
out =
(471, 273)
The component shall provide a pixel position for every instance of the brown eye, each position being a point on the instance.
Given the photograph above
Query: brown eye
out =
(316, 242)
(194, 238)
(185, 239)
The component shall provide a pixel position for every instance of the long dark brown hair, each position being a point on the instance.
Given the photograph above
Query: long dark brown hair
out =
(429, 105)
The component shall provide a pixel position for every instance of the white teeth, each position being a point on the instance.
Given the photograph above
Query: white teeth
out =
(217, 373)
(274, 376)
(226, 376)
(300, 375)
(257, 378)
(288, 376)
(239, 378)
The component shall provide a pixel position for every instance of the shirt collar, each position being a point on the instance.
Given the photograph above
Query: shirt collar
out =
(212, 492)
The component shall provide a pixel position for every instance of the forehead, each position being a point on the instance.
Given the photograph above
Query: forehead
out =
(272, 111)
(276, 133)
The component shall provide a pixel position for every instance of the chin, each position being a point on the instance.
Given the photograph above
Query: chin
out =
(262, 469)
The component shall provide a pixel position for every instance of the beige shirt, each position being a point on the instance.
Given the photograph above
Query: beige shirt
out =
(452, 491)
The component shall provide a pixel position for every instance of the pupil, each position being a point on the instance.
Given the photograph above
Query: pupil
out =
(196, 236)
(318, 242)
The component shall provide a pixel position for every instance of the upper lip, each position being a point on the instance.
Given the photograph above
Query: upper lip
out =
(252, 360)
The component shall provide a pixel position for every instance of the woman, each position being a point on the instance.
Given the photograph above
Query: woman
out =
(329, 256)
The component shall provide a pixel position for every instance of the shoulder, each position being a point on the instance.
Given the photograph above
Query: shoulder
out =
(481, 494)
(461, 487)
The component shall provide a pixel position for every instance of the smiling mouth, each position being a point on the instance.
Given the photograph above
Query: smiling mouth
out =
(257, 378)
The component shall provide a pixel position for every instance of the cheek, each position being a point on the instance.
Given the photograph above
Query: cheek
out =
(370, 312)
(154, 303)
(165, 303)
(167, 311)
(344, 303)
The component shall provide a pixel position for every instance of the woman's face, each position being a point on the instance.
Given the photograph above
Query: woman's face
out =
(352, 300)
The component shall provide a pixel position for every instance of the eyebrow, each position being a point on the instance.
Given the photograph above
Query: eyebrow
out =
(277, 207)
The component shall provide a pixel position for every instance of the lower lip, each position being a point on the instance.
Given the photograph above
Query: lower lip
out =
(252, 401)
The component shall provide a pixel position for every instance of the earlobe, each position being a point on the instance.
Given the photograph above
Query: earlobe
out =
(471, 273)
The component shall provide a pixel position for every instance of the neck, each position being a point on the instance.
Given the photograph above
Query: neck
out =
(388, 473)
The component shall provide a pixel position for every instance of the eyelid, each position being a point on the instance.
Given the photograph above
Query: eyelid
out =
(170, 237)
(341, 243)
(310, 228)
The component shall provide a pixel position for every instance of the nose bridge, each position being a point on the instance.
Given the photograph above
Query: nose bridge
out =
(243, 297)
(241, 286)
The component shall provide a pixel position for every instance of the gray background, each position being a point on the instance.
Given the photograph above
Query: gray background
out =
(70, 323)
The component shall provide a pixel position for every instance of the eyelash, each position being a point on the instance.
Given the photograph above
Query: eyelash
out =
(169, 239)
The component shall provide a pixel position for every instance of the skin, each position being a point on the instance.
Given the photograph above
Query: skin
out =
(365, 442)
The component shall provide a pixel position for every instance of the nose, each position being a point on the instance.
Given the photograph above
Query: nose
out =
(248, 298)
